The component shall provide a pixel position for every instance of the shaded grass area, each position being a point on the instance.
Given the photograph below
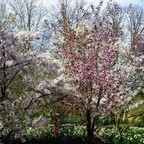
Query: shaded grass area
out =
(83, 140)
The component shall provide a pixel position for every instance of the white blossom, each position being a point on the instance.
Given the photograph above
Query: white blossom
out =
(27, 36)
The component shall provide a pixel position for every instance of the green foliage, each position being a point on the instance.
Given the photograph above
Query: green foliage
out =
(72, 131)
(31, 133)
(68, 132)
(73, 119)
(9, 21)
(135, 114)
(132, 135)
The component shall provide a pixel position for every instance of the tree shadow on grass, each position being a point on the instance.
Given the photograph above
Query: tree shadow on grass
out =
(83, 140)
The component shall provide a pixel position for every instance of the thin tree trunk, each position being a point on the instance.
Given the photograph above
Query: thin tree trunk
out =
(3, 85)
(56, 128)
(89, 126)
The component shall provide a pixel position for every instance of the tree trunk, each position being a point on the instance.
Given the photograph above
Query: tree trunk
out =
(3, 85)
(90, 128)
(118, 120)
(56, 128)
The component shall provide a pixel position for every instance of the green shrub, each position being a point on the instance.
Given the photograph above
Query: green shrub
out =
(31, 133)
(70, 132)
(74, 119)
(132, 135)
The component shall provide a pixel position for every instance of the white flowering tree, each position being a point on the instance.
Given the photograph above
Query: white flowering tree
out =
(53, 86)
(13, 68)
(130, 68)
(21, 93)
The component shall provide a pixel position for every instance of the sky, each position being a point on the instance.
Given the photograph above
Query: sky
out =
(121, 2)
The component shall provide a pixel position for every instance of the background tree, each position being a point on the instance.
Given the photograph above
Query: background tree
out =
(29, 14)
(2, 9)
(114, 16)
(136, 27)
(30, 17)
